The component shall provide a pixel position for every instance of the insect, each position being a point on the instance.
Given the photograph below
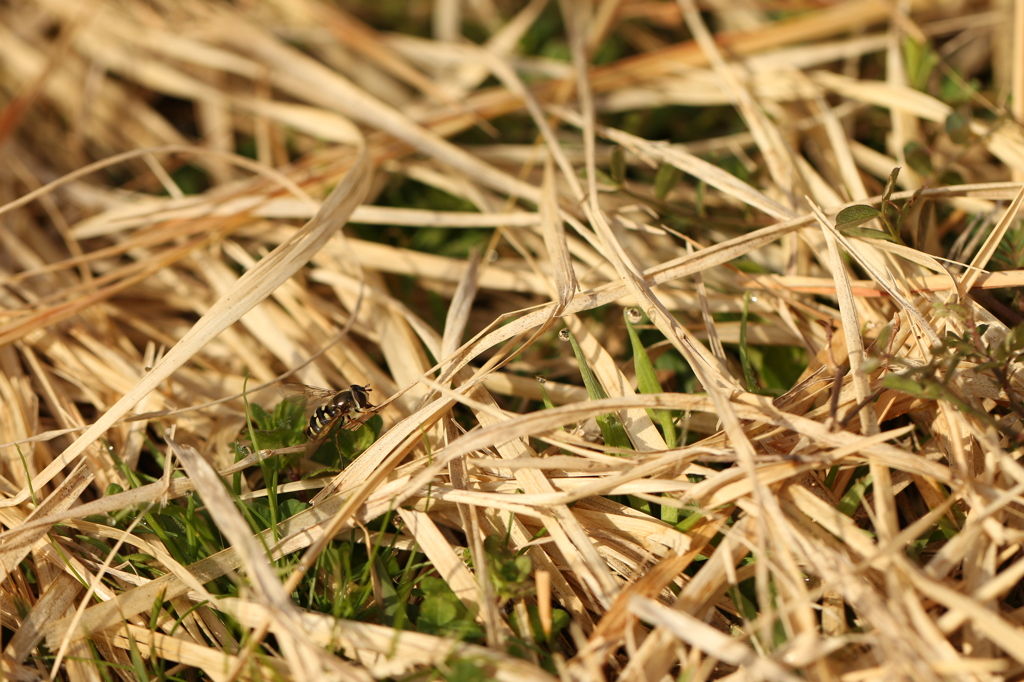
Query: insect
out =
(335, 408)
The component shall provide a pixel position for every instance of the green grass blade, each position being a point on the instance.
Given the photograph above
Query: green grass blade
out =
(854, 496)
(748, 371)
(687, 522)
(548, 405)
(648, 383)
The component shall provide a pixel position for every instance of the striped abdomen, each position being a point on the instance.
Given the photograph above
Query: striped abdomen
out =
(323, 418)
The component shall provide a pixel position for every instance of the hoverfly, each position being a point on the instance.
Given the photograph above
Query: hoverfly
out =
(335, 408)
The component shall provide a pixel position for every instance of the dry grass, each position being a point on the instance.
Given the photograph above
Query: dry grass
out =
(865, 524)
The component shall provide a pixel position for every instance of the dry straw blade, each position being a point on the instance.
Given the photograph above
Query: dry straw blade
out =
(815, 473)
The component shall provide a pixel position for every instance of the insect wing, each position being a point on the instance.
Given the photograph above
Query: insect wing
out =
(320, 419)
(307, 395)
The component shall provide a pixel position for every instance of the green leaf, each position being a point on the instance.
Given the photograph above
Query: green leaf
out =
(136, 557)
(263, 420)
(509, 571)
(288, 414)
(393, 606)
(595, 391)
(437, 611)
(1015, 339)
(852, 216)
(603, 178)
(958, 128)
(778, 367)
(955, 91)
(745, 606)
(890, 185)
(868, 233)
(870, 364)
(951, 177)
(278, 429)
(524, 566)
(946, 528)
(691, 520)
(648, 383)
(138, 665)
(155, 611)
(290, 507)
(494, 547)
(903, 383)
(432, 585)
(854, 496)
(920, 60)
(465, 670)
(748, 370)
(698, 201)
(545, 398)
(640, 504)
(918, 157)
(666, 179)
(559, 621)
(353, 443)
(617, 165)
(611, 428)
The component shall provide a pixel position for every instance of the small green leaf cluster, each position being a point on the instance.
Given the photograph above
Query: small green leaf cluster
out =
(510, 571)
(510, 574)
(994, 359)
(440, 612)
(921, 61)
(850, 219)
(539, 643)
(375, 583)
(281, 428)
(183, 528)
